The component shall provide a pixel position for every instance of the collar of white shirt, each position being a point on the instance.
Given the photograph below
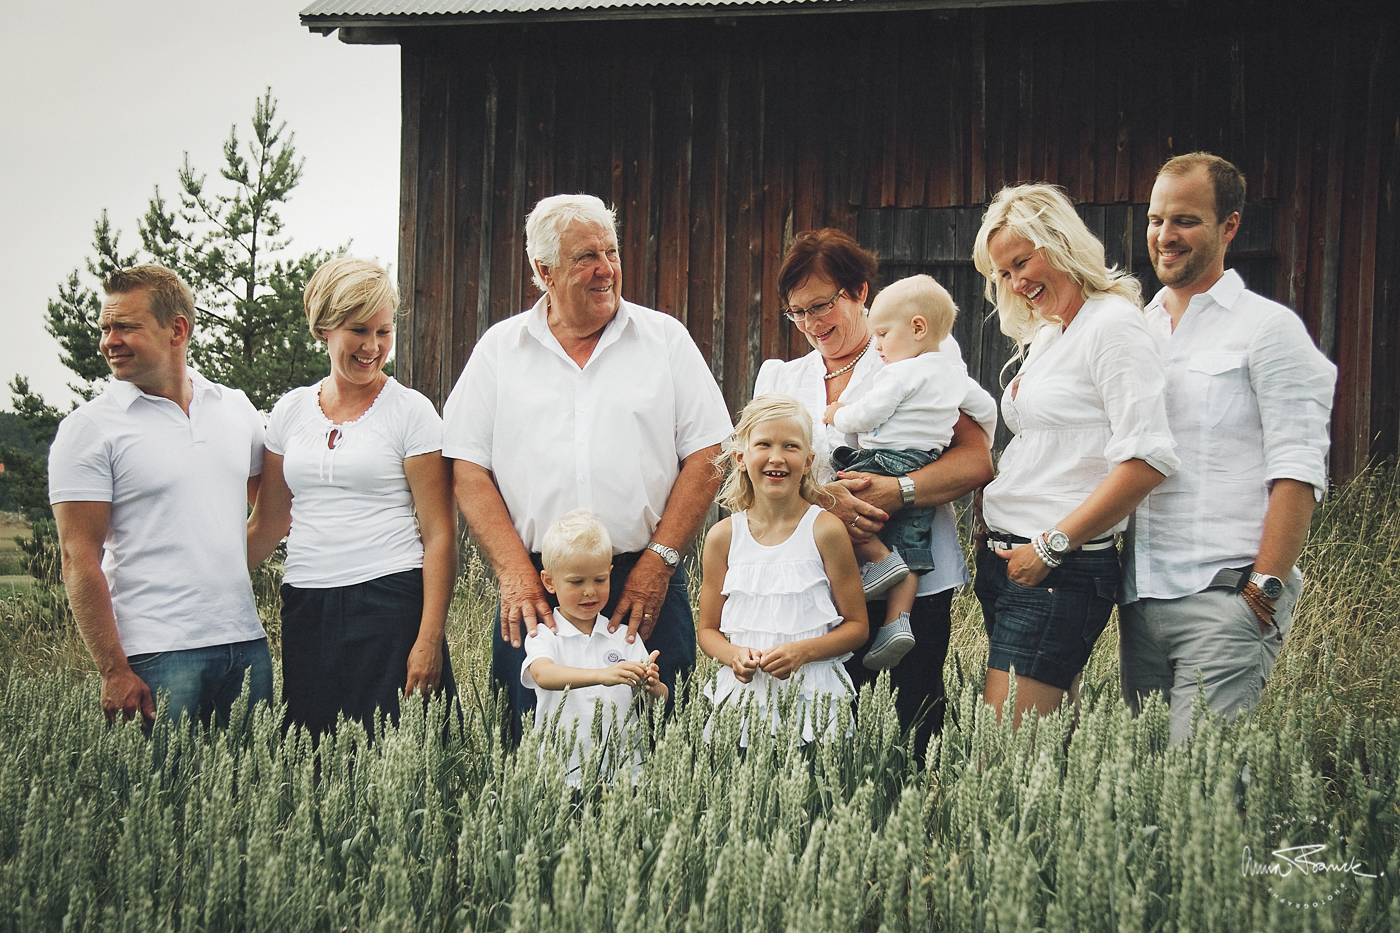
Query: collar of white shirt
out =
(126, 393)
(1225, 292)
(537, 326)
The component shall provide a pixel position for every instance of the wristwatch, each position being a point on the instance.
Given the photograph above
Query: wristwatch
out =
(1271, 587)
(670, 555)
(906, 490)
(1057, 542)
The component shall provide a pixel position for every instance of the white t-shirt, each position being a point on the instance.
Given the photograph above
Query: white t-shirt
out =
(1249, 399)
(608, 437)
(802, 379)
(1087, 398)
(176, 554)
(571, 648)
(352, 509)
(912, 404)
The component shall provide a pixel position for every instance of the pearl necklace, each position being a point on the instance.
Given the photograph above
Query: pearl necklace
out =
(849, 366)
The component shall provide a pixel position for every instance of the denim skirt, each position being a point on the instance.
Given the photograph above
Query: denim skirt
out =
(345, 649)
(1046, 632)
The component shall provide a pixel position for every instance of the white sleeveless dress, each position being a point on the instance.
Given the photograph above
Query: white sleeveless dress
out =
(779, 594)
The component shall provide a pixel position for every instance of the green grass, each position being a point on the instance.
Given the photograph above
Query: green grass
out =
(1083, 824)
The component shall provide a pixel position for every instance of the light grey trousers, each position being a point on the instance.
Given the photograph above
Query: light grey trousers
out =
(1166, 644)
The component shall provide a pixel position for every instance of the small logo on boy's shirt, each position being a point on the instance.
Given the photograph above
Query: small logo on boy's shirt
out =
(614, 657)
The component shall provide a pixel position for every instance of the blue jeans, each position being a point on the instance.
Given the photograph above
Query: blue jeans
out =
(910, 530)
(674, 637)
(205, 681)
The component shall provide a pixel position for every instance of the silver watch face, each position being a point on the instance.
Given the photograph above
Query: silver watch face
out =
(667, 554)
(1057, 541)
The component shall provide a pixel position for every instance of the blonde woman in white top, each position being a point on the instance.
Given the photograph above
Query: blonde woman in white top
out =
(354, 468)
(1091, 441)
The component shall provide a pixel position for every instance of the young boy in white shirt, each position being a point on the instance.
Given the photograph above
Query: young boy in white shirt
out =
(904, 422)
(581, 654)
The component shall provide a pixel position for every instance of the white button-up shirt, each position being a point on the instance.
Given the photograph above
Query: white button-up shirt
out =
(1249, 401)
(608, 437)
(1088, 397)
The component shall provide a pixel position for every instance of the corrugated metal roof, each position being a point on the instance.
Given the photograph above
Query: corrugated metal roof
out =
(375, 21)
(467, 7)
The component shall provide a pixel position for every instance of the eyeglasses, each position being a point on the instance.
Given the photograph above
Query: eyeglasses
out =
(798, 315)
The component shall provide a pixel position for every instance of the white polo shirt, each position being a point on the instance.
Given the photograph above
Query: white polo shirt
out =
(1249, 401)
(176, 551)
(571, 648)
(608, 437)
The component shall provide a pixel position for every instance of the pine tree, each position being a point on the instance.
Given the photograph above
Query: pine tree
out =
(226, 240)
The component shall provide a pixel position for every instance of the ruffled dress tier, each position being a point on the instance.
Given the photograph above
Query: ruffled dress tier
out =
(776, 594)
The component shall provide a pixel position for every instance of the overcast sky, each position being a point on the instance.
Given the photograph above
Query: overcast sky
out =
(102, 98)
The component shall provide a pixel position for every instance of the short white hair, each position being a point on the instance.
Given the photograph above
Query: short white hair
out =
(545, 226)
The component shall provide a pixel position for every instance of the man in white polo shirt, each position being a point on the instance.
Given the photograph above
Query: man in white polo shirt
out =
(586, 401)
(149, 484)
(1209, 580)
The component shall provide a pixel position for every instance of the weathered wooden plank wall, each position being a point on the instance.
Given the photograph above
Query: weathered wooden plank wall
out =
(718, 140)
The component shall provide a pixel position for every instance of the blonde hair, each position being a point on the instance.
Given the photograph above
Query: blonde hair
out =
(737, 492)
(1043, 215)
(167, 295)
(577, 534)
(922, 295)
(346, 290)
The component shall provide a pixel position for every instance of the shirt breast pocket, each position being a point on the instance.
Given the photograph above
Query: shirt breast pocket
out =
(1218, 385)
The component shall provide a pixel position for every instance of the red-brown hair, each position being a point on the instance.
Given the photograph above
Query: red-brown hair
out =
(832, 254)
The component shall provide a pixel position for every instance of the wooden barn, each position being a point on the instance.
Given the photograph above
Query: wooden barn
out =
(718, 129)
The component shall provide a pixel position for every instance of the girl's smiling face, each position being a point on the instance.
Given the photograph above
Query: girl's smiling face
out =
(776, 456)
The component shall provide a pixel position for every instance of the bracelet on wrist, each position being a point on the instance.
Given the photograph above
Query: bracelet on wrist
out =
(1043, 552)
(1256, 600)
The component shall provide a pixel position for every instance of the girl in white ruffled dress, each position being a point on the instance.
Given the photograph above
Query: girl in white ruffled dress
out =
(782, 601)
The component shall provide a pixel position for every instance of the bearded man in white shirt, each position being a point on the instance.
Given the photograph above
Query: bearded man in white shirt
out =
(586, 401)
(1209, 579)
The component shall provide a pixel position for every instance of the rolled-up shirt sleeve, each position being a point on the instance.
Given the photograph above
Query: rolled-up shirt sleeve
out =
(1126, 366)
(1293, 382)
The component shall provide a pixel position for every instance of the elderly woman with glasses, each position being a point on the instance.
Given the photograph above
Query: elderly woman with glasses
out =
(825, 282)
(1091, 441)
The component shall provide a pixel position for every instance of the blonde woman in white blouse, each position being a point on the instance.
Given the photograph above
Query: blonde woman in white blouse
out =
(1091, 440)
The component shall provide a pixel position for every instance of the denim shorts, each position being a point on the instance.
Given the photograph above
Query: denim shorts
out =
(1046, 632)
(910, 530)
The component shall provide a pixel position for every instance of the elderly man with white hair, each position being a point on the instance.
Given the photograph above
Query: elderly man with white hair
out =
(586, 401)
